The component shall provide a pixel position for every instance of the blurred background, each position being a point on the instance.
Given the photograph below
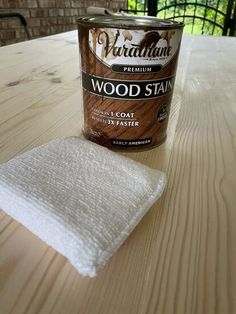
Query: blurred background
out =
(44, 17)
(205, 17)
(28, 19)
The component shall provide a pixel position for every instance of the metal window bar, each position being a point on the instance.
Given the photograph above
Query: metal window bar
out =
(204, 17)
(232, 31)
(145, 5)
(194, 15)
(193, 4)
(216, 14)
(165, 10)
(200, 18)
(175, 6)
(20, 17)
(230, 24)
(152, 7)
(224, 18)
(184, 12)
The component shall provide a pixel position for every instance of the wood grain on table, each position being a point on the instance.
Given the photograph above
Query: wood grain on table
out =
(181, 258)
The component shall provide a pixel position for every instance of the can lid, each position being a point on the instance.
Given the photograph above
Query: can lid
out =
(130, 22)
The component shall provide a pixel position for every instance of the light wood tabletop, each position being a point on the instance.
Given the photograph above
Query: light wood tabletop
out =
(181, 258)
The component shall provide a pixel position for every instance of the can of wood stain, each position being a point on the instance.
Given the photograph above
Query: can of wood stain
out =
(128, 71)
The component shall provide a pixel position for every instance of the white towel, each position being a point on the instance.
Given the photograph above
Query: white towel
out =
(79, 197)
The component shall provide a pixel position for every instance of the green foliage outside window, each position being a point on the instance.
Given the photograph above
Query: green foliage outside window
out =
(192, 25)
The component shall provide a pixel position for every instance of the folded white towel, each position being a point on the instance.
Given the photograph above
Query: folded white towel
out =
(79, 197)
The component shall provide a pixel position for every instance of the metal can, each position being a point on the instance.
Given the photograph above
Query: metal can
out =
(128, 66)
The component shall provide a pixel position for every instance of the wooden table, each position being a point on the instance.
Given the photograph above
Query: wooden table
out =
(182, 256)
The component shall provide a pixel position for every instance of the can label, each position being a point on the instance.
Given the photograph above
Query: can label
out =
(127, 79)
(123, 50)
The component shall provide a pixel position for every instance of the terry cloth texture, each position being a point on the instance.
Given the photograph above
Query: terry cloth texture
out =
(79, 197)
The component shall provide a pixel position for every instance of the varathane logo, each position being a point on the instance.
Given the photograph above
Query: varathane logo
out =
(134, 47)
(147, 47)
(124, 89)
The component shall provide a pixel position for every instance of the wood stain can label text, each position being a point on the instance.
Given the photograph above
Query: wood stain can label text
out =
(128, 74)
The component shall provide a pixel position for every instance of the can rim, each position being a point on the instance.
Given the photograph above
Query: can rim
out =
(129, 22)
